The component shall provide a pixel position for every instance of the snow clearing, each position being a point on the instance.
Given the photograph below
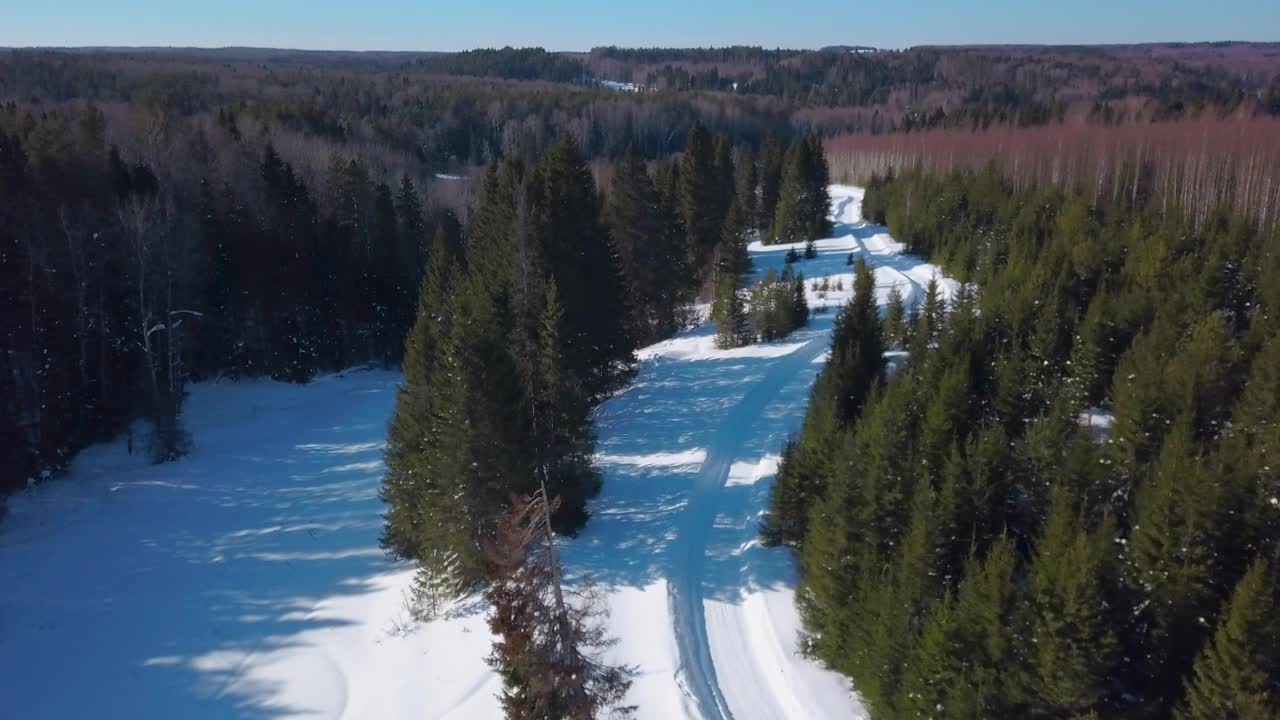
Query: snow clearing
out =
(246, 579)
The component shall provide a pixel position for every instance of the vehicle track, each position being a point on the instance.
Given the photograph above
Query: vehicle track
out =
(696, 673)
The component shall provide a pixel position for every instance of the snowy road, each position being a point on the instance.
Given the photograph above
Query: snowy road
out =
(688, 454)
(698, 521)
(245, 581)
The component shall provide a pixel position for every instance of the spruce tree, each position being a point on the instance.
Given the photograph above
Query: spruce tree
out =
(579, 254)
(1073, 651)
(960, 666)
(563, 440)
(700, 197)
(634, 216)
(411, 252)
(799, 303)
(732, 254)
(1085, 375)
(387, 293)
(728, 313)
(404, 488)
(804, 201)
(772, 161)
(790, 225)
(895, 319)
(1234, 676)
(746, 188)
(857, 359)
(1174, 549)
(726, 176)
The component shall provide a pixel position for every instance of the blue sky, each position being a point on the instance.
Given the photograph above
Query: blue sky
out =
(581, 24)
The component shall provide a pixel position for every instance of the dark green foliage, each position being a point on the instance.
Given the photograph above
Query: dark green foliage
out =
(511, 349)
(777, 306)
(969, 546)
(407, 433)
(1073, 648)
(729, 313)
(285, 220)
(747, 189)
(771, 166)
(732, 254)
(895, 319)
(851, 374)
(1234, 677)
(804, 200)
(650, 248)
(578, 253)
(967, 644)
(857, 349)
(701, 198)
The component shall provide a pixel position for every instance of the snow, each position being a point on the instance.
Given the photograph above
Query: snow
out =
(620, 86)
(1098, 421)
(246, 581)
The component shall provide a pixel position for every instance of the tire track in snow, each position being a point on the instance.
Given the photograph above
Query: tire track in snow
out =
(696, 673)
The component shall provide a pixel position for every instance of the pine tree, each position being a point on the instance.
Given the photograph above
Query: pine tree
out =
(1234, 676)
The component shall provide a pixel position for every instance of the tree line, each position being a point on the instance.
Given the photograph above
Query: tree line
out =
(972, 544)
(125, 280)
(1194, 167)
(162, 224)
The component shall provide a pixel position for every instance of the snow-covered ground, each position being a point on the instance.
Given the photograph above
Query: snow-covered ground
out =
(246, 581)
